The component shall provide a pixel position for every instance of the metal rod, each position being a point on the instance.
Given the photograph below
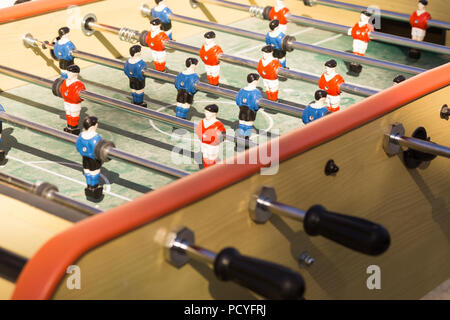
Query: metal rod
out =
(346, 87)
(422, 145)
(200, 86)
(384, 13)
(282, 209)
(195, 252)
(383, 37)
(145, 10)
(11, 265)
(112, 152)
(52, 194)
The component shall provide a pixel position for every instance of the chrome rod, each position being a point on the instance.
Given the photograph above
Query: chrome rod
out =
(200, 86)
(113, 152)
(422, 145)
(50, 194)
(346, 87)
(195, 252)
(283, 209)
(384, 13)
(146, 12)
(383, 37)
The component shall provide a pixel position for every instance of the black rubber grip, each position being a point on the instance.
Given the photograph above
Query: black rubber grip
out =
(267, 279)
(355, 233)
(266, 12)
(56, 86)
(101, 149)
(44, 188)
(308, 3)
(143, 38)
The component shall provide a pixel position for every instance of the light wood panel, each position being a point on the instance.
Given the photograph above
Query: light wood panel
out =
(412, 204)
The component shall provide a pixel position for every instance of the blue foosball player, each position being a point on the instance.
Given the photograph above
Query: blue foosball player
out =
(317, 109)
(162, 12)
(2, 152)
(247, 101)
(133, 69)
(185, 84)
(62, 50)
(275, 38)
(86, 145)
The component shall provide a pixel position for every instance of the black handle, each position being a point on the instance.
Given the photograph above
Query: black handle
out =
(269, 280)
(354, 233)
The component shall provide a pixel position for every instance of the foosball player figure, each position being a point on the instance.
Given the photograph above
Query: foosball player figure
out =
(134, 70)
(419, 24)
(162, 12)
(280, 13)
(275, 38)
(330, 81)
(211, 133)
(2, 152)
(155, 40)
(185, 84)
(316, 109)
(398, 79)
(247, 101)
(70, 91)
(210, 53)
(62, 50)
(268, 68)
(86, 143)
(361, 38)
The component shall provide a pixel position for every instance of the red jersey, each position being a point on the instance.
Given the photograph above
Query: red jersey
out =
(156, 43)
(332, 87)
(270, 71)
(211, 57)
(71, 93)
(279, 15)
(419, 21)
(362, 33)
(210, 135)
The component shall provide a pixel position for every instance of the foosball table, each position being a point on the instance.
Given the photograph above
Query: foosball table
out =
(211, 149)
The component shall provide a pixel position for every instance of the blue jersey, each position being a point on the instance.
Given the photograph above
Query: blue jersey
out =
(162, 15)
(62, 51)
(311, 114)
(186, 82)
(134, 70)
(275, 42)
(86, 147)
(248, 98)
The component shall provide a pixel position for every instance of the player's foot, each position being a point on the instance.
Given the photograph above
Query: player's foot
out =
(2, 156)
(414, 54)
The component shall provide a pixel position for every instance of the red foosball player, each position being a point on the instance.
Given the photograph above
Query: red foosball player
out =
(330, 81)
(268, 68)
(280, 13)
(155, 40)
(361, 37)
(211, 133)
(70, 91)
(210, 53)
(419, 24)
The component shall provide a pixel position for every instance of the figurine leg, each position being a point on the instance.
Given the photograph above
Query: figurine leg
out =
(333, 103)
(215, 71)
(210, 154)
(92, 174)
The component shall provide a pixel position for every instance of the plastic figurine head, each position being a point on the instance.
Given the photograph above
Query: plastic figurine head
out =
(155, 25)
(267, 52)
(330, 66)
(211, 111)
(63, 32)
(274, 24)
(398, 79)
(135, 51)
(90, 123)
(422, 4)
(210, 37)
(321, 96)
(72, 72)
(253, 79)
(159, 2)
(191, 63)
(365, 16)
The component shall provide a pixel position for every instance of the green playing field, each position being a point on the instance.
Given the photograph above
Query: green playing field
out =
(34, 157)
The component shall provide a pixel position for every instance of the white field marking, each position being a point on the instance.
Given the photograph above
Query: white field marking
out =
(262, 45)
(31, 164)
(327, 39)
(269, 118)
